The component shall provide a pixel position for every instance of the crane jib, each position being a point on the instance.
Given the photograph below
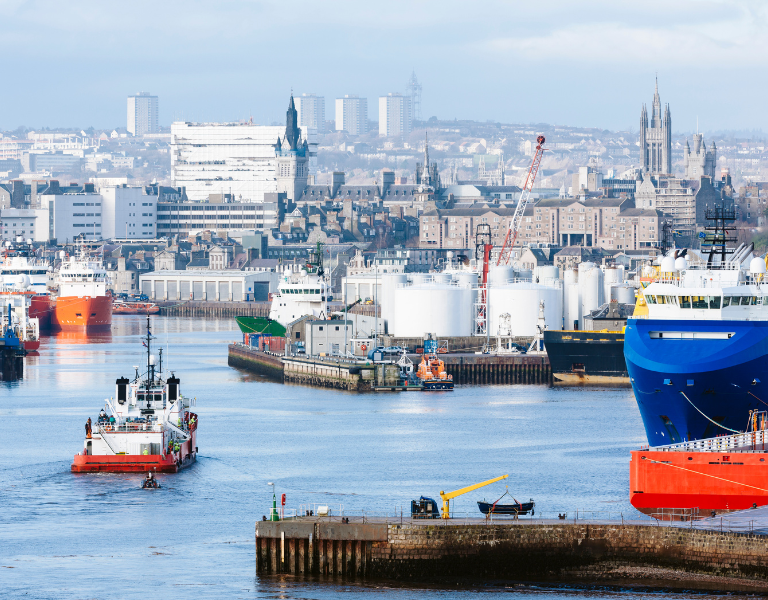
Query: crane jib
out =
(522, 203)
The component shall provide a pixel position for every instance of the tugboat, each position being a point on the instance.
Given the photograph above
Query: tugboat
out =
(146, 427)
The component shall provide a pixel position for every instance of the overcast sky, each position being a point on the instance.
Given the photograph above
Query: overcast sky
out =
(588, 63)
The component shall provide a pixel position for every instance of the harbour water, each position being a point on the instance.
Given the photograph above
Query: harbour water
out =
(101, 536)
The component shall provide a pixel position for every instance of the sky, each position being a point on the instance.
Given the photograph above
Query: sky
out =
(590, 63)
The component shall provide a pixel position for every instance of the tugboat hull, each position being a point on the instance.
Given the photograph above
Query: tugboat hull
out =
(137, 463)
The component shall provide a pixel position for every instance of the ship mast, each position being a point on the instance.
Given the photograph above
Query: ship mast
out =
(149, 354)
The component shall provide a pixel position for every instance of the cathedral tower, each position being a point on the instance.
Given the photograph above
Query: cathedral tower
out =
(656, 139)
(292, 157)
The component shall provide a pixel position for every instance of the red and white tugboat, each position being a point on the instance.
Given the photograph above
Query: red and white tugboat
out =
(147, 426)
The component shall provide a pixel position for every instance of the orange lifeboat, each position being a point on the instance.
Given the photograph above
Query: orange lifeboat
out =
(432, 373)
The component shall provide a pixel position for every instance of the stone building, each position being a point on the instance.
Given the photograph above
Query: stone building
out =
(700, 161)
(292, 157)
(610, 223)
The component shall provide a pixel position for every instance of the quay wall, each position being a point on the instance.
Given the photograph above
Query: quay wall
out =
(328, 373)
(199, 308)
(263, 363)
(504, 551)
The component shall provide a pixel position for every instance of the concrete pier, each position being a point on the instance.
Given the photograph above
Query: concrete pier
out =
(199, 308)
(473, 369)
(512, 550)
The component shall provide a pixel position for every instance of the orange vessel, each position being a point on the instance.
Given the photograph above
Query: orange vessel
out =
(83, 302)
(718, 474)
(433, 375)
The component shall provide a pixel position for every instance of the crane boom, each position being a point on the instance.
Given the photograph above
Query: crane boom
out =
(514, 225)
(450, 495)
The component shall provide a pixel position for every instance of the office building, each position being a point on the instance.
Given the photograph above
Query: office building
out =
(352, 115)
(311, 111)
(395, 115)
(185, 217)
(27, 223)
(142, 114)
(235, 159)
(128, 213)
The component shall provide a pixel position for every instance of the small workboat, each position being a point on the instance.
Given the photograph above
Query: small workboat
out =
(121, 307)
(516, 509)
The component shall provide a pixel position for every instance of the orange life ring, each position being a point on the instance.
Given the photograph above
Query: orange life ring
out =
(363, 347)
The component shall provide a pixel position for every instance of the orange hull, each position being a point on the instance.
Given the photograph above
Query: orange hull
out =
(707, 481)
(71, 313)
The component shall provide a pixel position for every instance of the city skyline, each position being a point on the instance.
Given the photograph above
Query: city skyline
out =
(586, 66)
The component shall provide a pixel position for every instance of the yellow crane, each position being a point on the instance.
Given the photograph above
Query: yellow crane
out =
(451, 495)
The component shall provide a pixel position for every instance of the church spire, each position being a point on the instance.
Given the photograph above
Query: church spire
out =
(425, 168)
(292, 131)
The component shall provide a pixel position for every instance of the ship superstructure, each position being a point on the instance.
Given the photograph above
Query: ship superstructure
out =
(146, 426)
(697, 360)
(20, 268)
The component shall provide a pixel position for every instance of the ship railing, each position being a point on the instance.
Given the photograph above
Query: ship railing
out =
(130, 427)
(751, 440)
(401, 515)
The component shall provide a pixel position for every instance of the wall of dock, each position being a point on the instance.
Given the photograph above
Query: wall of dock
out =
(505, 551)
(263, 363)
(197, 308)
(328, 373)
(488, 369)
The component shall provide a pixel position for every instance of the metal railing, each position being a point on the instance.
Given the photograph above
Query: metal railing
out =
(742, 442)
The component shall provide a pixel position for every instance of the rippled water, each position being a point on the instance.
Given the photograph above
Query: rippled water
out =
(101, 536)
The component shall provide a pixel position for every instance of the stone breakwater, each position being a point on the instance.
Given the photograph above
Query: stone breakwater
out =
(513, 551)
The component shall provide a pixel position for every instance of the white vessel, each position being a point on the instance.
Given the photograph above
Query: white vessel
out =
(147, 426)
(299, 293)
(20, 268)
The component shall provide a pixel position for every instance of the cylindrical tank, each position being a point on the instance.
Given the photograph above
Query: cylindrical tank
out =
(623, 294)
(466, 279)
(521, 301)
(442, 277)
(443, 310)
(500, 275)
(611, 277)
(571, 299)
(389, 283)
(547, 272)
(591, 288)
(419, 278)
(524, 274)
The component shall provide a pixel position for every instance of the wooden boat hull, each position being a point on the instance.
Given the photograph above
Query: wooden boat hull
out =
(506, 509)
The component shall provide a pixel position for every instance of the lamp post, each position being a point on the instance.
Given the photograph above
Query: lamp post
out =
(273, 516)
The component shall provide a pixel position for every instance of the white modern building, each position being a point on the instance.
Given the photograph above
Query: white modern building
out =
(209, 286)
(128, 213)
(186, 217)
(27, 223)
(352, 115)
(395, 115)
(142, 114)
(71, 215)
(229, 158)
(311, 111)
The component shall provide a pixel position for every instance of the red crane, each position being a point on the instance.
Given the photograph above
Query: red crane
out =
(514, 224)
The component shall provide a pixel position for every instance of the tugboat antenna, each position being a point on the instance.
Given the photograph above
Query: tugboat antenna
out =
(149, 354)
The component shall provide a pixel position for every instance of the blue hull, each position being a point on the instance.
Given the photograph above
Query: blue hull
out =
(723, 378)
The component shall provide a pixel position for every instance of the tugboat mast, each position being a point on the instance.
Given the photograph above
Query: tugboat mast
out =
(150, 375)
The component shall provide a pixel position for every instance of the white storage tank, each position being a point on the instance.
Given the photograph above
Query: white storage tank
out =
(419, 278)
(571, 299)
(466, 279)
(444, 310)
(524, 274)
(501, 274)
(612, 276)
(547, 273)
(441, 278)
(591, 289)
(521, 301)
(623, 294)
(389, 283)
